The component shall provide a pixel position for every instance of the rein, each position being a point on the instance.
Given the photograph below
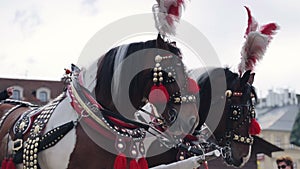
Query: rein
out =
(86, 106)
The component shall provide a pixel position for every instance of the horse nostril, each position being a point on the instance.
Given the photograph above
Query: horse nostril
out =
(192, 121)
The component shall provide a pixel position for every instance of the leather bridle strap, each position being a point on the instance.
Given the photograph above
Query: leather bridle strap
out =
(95, 110)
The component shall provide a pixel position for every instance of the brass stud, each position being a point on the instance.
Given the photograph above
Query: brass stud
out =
(228, 93)
(177, 100)
(158, 58)
(235, 112)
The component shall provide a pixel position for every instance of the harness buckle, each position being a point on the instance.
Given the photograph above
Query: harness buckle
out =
(17, 144)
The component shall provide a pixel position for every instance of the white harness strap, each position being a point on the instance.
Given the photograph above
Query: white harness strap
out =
(189, 163)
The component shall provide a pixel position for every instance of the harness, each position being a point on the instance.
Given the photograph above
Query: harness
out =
(236, 112)
(28, 131)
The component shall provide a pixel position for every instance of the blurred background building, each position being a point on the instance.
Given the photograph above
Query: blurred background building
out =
(276, 114)
(38, 92)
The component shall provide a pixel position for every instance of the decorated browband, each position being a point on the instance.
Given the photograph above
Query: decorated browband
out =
(162, 76)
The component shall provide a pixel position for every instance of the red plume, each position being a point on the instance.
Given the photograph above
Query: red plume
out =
(166, 14)
(256, 43)
(254, 128)
(252, 24)
(269, 29)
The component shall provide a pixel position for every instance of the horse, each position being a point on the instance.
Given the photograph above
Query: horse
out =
(92, 124)
(226, 107)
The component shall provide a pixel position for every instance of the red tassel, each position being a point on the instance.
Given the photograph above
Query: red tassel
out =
(4, 163)
(133, 164)
(192, 86)
(205, 165)
(10, 164)
(254, 128)
(143, 163)
(159, 94)
(120, 162)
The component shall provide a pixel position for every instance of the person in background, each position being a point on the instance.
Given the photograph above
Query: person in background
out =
(6, 93)
(284, 162)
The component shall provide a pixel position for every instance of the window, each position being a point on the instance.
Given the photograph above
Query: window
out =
(43, 94)
(278, 141)
(18, 93)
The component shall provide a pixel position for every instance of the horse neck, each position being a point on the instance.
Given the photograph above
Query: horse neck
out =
(213, 86)
(111, 86)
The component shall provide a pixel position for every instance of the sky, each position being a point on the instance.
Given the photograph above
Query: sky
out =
(38, 39)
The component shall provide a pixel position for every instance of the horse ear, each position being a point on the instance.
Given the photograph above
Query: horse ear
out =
(246, 76)
(251, 78)
(160, 43)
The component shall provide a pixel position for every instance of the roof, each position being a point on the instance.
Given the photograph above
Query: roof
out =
(280, 118)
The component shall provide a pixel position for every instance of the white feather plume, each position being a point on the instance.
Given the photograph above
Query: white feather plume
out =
(256, 43)
(165, 21)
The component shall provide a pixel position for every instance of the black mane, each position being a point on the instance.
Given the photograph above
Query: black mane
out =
(106, 70)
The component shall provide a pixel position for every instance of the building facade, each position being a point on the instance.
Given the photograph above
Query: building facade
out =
(276, 115)
(35, 91)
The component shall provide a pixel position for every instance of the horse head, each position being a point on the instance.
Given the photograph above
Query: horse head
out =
(129, 76)
(229, 111)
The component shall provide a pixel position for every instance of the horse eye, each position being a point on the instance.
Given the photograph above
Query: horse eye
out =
(172, 115)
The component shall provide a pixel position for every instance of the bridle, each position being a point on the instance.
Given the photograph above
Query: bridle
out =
(107, 119)
(162, 77)
(237, 113)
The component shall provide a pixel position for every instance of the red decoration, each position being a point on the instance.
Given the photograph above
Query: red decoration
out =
(190, 138)
(133, 164)
(192, 86)
(256, 43)
(120, 162)
(67, 71)
(269, 29)
(4, 163)
(158, 94)
(143, 163)
(10, 164)
(254, 128)
(252, 24)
